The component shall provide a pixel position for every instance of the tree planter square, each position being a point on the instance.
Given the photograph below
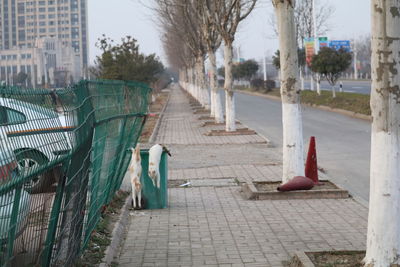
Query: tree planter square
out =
(201, 111)
(196, 106)
(213, 123)
(263, 190)
(241, 131)
(207, 118)
(345, 258)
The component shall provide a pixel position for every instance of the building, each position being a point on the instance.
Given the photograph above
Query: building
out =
(24, 22)
(48, 63)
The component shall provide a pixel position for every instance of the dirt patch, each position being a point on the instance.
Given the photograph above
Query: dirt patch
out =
(241, 131)
(213, 123)
(101, 235)
(195, 106)
(201, 111)
(198, 108)
(271, 186)
(337, 258)
(205, 118)
(151, 122)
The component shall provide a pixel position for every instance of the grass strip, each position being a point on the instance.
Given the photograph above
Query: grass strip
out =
(353, 102)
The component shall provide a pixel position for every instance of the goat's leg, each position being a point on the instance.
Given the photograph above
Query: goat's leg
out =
(140, 198)
(134, 196)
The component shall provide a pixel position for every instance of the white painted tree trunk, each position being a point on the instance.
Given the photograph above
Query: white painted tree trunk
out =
(199, 89)
(318, 80)
(212, 95)
(293, 157)
(219, 113)
(383, 237)
(333, 91)
(216, 98)
(355, 65)
(311, 83)
(301, 79)
(203, 95)
(191, 88)
(230, 125)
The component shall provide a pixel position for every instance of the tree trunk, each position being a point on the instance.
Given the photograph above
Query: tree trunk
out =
(193, 84)
(198, 81)
(318, 80)
(204, 98)
(216, 98)
(293, 158)
(311, 82)
(229, 99)
(301, 79)
(333, 91)
(190, 86)
(383, 237)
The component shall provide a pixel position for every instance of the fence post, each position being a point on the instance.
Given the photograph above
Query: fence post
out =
(13, 222)
(51, 232)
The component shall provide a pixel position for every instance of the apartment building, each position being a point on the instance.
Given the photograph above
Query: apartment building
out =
(24, 22)
(47, 63)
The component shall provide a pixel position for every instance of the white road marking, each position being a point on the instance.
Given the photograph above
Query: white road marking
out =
(357, 87)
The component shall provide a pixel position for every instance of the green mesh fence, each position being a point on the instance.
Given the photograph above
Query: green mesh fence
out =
(63, 155)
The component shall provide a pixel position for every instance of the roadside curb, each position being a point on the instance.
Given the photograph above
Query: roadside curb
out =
(357, 199)
(269, 143)
(157, 126)
(326, 108)
(117, 235)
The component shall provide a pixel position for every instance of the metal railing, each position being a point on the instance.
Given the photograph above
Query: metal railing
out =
(63, 155)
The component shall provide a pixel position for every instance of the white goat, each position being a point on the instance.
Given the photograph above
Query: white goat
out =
(135, 172)
(154, 163)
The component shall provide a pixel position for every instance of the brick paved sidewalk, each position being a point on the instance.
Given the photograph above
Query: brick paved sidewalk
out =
(181, 126)
(210, 224)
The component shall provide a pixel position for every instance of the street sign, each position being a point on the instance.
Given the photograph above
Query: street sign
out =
(323, 42)
(337, 44)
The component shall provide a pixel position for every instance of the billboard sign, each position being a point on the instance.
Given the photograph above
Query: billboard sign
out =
(309, 47)
(323, 42)
(337, 44)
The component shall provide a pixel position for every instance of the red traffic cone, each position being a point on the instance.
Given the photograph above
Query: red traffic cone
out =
(311, 170)
(297, 183)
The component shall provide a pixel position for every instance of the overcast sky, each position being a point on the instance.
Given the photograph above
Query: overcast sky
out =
(118, 18)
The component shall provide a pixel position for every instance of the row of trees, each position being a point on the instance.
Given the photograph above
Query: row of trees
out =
(194, 30)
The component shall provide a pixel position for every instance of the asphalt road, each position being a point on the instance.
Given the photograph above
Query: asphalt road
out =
(343, 143)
